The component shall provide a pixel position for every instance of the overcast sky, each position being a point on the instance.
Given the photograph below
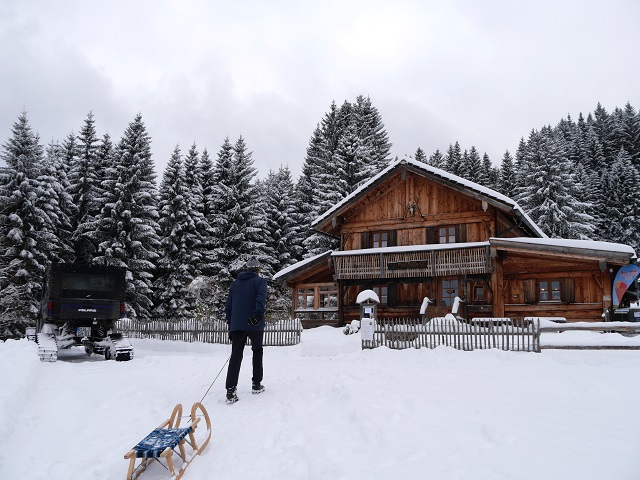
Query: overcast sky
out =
(483, 73)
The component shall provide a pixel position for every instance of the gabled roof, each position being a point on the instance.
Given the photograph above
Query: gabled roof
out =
(468, 187)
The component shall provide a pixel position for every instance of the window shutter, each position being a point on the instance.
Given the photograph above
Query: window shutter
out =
(568, 291)
(530, 291)
(393, 238)
(431, 235)
(364, 240)
(461, 233)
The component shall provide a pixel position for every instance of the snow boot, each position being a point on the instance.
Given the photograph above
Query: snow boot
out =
(232, 396)
(257, 388)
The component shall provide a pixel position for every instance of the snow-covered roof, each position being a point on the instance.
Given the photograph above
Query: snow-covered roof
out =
(299, 264)
(618, 250)
(450, 177)
(569, 243)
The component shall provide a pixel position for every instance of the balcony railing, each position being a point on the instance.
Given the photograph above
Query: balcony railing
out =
(423, 263)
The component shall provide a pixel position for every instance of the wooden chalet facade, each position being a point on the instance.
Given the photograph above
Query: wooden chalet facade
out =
(415, 231)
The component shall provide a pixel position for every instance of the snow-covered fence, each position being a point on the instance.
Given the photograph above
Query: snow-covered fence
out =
(610, 335)
(484, 333)
(208, 330)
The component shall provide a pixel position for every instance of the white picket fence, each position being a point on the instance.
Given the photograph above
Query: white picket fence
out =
(400, 333)
(209, 330)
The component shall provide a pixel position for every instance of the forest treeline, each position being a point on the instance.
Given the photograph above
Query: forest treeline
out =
(90, 199)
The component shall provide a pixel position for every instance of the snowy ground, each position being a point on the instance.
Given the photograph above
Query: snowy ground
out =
(330, 411)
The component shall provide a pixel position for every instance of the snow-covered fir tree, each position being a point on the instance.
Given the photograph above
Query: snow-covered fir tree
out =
(453, 159)
(56, 167)
(491, 173)
(348, 147)
(237, 219)
(207, 178)
(507, 176)
(84, 184)
(126, 230)
(28, 240)
(283, 242)
(176, 264)
(420, 156)
(474, 170)
(619, 204)
(549, 196)
(436, 159)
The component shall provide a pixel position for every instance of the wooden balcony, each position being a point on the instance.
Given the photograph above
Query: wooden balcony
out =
(436, 262)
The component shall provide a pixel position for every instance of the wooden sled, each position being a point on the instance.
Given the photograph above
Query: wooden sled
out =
(160, 444)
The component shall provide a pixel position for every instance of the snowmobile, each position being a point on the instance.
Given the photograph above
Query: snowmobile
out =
(80, 304)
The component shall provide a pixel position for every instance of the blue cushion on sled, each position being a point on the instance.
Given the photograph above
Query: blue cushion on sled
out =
(157, 441)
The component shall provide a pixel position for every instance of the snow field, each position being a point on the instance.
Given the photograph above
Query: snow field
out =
(330, 411)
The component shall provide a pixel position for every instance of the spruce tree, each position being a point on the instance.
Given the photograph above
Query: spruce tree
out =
(84, 184)
(420, 156)
(199, 228)
(174, 265)
(282, 240)
(474, 169)
(207, 179)
(126, 230)
(507, 178)
(453, 159)
(57, 168)
(626, 132)
(27, 240)
(437, 159)
(237, 219)
(619, 205)
(312, 187)
(550, 195)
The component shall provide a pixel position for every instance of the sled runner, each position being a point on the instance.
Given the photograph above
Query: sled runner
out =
(160, 444)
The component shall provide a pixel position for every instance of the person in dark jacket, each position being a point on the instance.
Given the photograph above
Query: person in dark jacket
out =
(244, 311)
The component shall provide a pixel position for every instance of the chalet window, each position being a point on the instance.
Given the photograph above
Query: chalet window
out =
(448, 292)
(379, 238)
(561, 290)
(383, 294)
(478, 293)
(328, 297)
(549, 290)
(306, 298)
(317, 302)
(447, 234)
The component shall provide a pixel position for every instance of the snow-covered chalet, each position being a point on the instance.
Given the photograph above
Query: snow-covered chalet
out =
(416, 231)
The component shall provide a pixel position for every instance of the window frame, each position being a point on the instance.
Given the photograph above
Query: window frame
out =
(550, 292)
(382, 242)
(382, 296)
(452, 295)
(451, 231)
(318, 292)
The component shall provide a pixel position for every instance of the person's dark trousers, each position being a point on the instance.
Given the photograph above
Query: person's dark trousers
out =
(237, 352)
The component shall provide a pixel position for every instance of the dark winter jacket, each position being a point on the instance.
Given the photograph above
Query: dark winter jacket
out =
(247, 298)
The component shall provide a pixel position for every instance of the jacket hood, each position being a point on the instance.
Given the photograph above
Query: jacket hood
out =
(247, 274)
